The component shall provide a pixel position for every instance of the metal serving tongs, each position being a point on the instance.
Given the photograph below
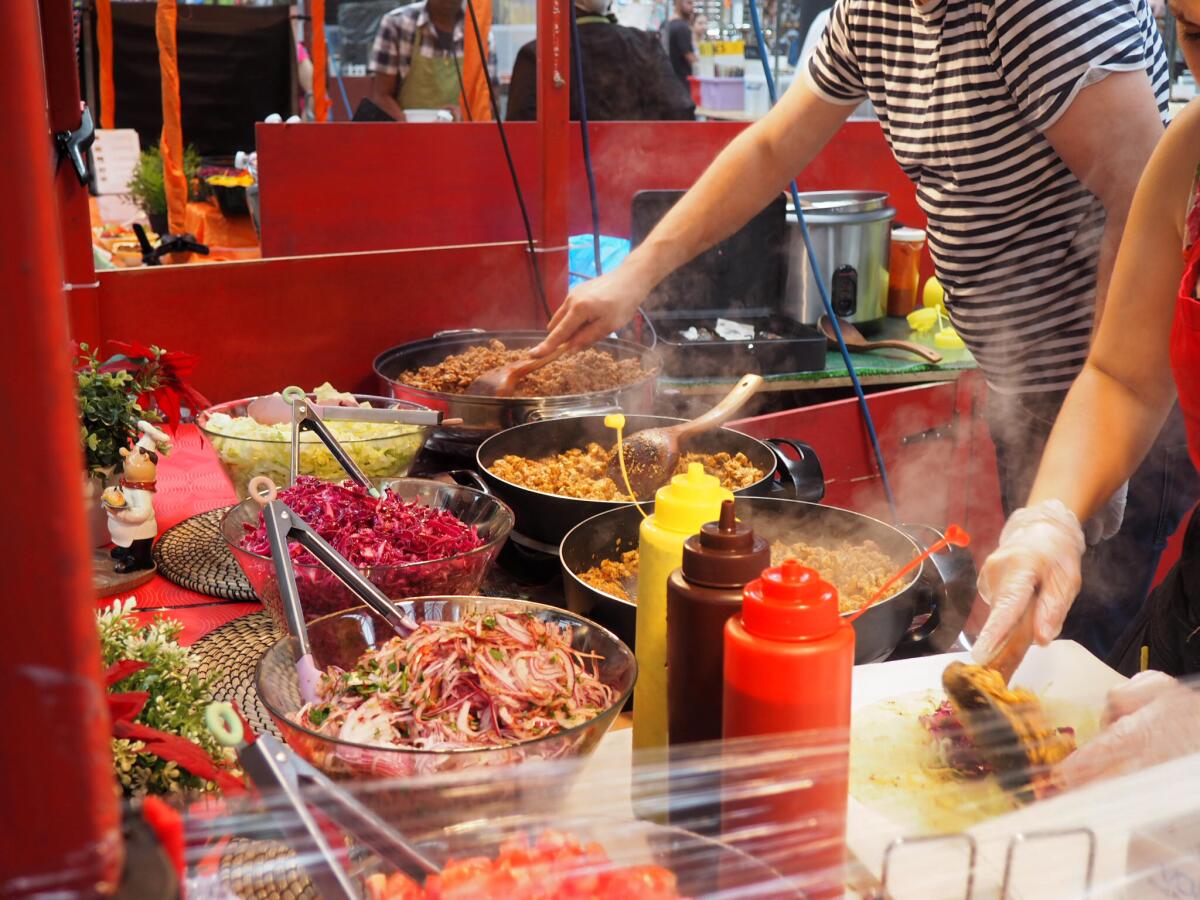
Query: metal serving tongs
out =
(309, 416)
(294, 788)
(283, 526)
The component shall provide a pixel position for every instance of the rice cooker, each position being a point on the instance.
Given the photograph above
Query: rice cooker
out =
(851, 236)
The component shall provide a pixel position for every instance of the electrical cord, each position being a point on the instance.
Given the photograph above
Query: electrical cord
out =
(512, 169)
(577, 53)
(821, 289)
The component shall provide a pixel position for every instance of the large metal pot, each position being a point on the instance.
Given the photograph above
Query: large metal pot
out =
(547, 517)
(485, 416)
(926, 616)
(851, 235)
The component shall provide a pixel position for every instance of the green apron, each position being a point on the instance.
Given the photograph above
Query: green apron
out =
(432, 82)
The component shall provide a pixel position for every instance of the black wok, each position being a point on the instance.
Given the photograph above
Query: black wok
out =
(547, 517)
(926, 615)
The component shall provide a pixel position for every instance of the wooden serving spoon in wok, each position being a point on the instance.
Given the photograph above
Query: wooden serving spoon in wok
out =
(652, 455)
(503, 380)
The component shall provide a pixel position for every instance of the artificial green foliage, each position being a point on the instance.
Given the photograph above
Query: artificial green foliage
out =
(146, 184)
(178, 698)
(108, 409)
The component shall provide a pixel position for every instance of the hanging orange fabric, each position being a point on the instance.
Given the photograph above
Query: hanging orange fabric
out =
(474, 68)
(320, 65)
(104, 43)
(170, 145)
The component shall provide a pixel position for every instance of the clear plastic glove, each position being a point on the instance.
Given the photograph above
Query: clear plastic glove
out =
(1038, 563)
(1107, 522)
(594, 309)
(1149, 720)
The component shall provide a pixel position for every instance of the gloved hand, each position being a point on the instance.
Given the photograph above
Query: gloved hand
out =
(1107, 521)
(1149, 720)
(1037, 563)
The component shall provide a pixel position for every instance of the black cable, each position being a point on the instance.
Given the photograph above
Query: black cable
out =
(577, 52)
(512, 169)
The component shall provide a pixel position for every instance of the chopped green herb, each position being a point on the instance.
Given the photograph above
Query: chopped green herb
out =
(318, 714)
(496, 654)
(489, 622)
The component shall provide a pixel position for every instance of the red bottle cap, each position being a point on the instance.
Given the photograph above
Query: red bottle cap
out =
(726, 553)
(790, 603)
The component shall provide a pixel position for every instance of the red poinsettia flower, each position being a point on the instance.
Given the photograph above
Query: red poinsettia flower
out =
(124, 708)
(162, 376)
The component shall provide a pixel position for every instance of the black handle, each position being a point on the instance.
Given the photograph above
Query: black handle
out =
(801, 478)
(945, 593)
(470, 478)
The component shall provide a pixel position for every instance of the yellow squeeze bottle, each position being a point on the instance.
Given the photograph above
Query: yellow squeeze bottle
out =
(680, 508)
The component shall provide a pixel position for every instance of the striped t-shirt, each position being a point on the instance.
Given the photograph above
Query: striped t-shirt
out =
(965, 90)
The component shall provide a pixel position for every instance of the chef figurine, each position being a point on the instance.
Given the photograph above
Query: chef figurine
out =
(130, 507)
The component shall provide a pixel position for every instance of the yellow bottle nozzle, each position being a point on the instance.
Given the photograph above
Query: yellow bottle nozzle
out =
(617, 421)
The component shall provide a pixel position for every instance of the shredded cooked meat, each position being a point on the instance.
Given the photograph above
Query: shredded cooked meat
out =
(856, 570)
(582, 474)
(584, 372)
(613, 576)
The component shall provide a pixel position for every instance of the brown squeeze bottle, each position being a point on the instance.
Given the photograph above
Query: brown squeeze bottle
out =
(701, 595)
(718, 563)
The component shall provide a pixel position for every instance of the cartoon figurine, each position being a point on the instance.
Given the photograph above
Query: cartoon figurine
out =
(130, 507)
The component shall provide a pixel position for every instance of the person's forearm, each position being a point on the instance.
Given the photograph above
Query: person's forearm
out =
(1100, 437)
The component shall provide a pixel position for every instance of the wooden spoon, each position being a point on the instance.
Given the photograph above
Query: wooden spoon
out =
(855, 340)
(652, 455)
(503, 380)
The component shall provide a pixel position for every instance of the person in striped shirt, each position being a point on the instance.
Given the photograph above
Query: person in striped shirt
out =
(1024, 125)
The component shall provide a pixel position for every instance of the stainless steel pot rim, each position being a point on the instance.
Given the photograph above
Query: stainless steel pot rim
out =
(844, 201)
(633, 605)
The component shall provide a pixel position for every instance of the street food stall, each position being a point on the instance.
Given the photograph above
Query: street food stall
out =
(361, 603)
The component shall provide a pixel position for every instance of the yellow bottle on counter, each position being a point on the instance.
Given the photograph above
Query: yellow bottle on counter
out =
(680, 508)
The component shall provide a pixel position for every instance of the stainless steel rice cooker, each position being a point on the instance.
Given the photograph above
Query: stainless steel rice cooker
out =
(851, 235)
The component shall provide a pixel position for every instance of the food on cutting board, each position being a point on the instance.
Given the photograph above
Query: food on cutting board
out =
(368, 531)
(856, 570)
(583, 474)
(555, 865)
(910, 763)
(247, 447)
(583, 372)
(487, 680)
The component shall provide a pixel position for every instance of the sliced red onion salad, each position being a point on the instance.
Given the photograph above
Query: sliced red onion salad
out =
(368, 531)
(487, 680)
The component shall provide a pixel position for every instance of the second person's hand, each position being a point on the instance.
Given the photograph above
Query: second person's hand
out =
(594, 309)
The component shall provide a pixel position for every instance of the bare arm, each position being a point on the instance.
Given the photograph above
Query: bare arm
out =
(743, 178)
(383, 94)
(1121, 398)
(1106, 137)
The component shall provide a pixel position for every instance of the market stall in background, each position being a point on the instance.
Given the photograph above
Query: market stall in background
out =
(373, 622)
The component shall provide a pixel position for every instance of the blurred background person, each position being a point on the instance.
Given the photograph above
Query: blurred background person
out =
(626, 74)
(677, 39)
(417, 58)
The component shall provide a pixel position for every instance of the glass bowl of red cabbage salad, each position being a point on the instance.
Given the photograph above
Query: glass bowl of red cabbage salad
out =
(419, 538)
(483, 681)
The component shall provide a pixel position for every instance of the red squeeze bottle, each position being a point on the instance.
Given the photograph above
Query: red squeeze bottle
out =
(789, 659)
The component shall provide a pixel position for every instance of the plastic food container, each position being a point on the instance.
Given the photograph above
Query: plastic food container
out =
(904, 270)
(340, 639)
(321, 593)
(381, 451)
(722, 93)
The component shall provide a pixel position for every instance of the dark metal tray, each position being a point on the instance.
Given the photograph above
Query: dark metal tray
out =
(798, 348)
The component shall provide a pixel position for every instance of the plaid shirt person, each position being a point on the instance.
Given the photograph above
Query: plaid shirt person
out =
(393, 49)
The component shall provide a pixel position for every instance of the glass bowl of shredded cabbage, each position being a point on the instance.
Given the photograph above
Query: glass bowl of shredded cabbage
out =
(482, 682)
(419, 537)
(248, 448)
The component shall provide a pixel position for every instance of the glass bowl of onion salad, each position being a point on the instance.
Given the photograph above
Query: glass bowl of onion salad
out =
(481, 682)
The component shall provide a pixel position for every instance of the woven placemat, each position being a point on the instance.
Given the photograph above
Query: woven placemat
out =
(233, 651)
(193, 555)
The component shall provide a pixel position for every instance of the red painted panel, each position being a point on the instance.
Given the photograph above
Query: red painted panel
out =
(344, 187)
(263, 324)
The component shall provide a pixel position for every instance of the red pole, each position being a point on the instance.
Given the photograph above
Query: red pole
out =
(554, 112)
(56, 782)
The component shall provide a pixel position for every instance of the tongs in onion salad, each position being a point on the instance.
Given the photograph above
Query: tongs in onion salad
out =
(488, 680)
